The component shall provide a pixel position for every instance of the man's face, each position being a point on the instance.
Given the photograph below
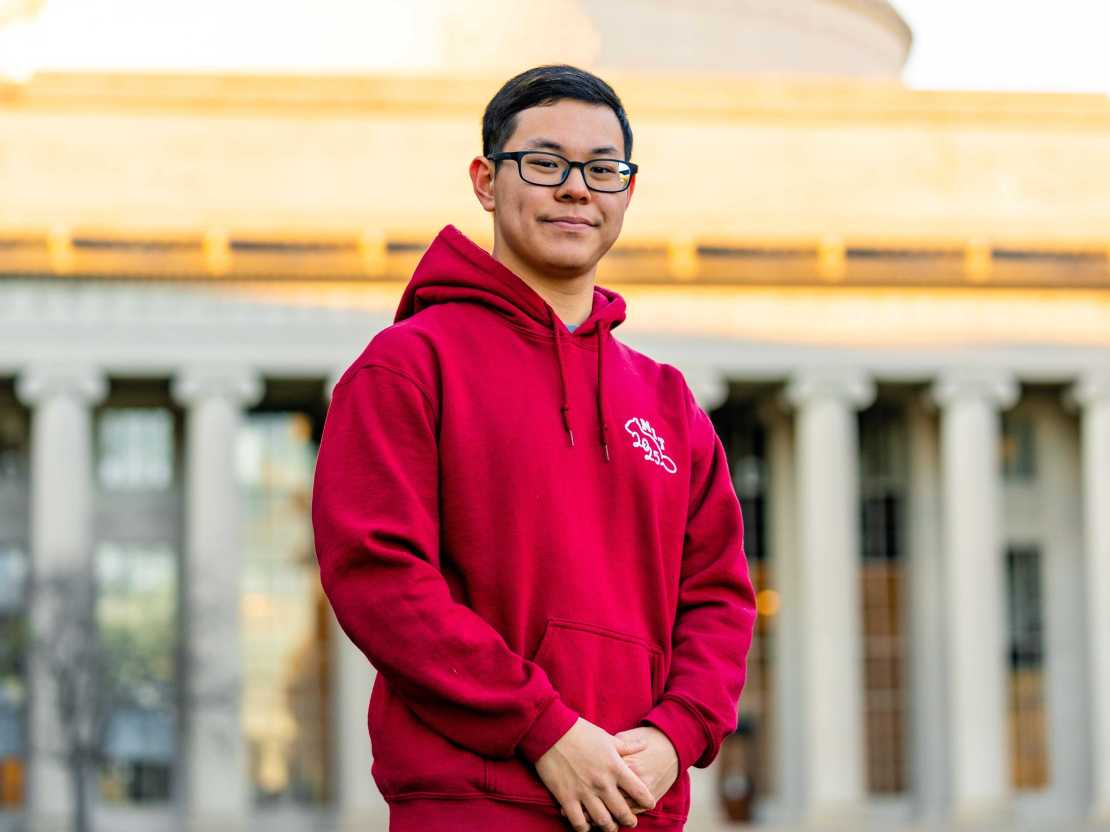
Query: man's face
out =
(526, 217)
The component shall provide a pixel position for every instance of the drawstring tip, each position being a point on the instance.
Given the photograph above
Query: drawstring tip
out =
(570, 433)
(606, 447)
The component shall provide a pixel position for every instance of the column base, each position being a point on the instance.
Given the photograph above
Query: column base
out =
(983, 816)
(47, 823)
(1099, 817)
(363, 819)
(838, 816)
(216, 823)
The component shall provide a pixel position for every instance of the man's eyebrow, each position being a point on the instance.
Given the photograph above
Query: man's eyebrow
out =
(550, 144)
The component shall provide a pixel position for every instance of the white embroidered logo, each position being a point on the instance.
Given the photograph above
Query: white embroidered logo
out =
(644, 436)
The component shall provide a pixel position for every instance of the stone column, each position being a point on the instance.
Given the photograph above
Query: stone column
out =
(973, 592)
(61, 533)
(926, 614)
(1059, 514)
(1093, 395)
(827, 441)
(358, 803)
(782, 524)
(216, 782)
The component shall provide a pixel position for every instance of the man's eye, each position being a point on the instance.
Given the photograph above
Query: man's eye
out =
(542, 163)
(603, 170)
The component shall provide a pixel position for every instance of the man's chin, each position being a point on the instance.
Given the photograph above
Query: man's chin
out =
(570, 255)
(568, 264)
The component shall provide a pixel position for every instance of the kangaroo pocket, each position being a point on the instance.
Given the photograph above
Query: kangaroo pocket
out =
(411, 757)
(610, 678)
(607, 676)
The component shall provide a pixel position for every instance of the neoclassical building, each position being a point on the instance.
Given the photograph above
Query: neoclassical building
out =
(894, 304)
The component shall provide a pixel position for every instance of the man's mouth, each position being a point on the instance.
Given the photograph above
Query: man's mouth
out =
(570, 223)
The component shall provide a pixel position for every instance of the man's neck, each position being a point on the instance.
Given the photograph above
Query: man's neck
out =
(572, 298)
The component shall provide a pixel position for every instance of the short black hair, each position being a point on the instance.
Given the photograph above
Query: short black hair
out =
(543, 85)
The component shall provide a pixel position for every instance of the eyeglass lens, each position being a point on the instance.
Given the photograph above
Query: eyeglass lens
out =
(549, 169)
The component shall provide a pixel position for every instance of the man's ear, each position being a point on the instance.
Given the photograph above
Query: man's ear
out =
(481, 176)
(631, 188)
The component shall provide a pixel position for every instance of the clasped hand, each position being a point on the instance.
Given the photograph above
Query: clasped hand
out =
(602, 779)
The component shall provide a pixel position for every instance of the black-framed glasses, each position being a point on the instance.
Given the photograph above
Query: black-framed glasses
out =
(538, 167)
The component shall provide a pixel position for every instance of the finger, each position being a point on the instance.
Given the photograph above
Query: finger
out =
(628, 780)
(618, 806)
(572, 809)
(636, 807)
(595, 806)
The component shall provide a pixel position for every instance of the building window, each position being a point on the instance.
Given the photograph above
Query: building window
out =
(13, 688)
(1027, 716)
(285, 614)
(14, 564)
(136, 614)
(135, 449)
(883, 476)
(747, 772)
(1018, 440)
(137, 573)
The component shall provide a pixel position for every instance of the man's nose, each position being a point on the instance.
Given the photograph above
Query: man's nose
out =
(575, 185)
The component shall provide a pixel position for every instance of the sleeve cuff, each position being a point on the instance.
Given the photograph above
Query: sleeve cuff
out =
(553, 721)
(682, 727)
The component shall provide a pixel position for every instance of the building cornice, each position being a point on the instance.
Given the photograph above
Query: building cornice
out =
(707, 95)
(306, 256)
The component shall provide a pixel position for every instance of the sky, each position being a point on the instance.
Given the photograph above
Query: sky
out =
(1058, 46)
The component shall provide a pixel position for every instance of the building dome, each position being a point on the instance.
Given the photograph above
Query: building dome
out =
(865, 38)
(11, 10)
(861, 38)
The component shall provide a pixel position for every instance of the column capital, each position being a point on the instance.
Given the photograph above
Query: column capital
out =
(194, 383)
(854, 387)
(1090, 388)
(333, 379)
(709, 386)
(42, 381)
(998, 387)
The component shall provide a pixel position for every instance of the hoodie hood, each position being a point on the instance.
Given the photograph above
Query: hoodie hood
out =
(455, 269)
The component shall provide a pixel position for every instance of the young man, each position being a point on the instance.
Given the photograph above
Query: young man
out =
(528, 527)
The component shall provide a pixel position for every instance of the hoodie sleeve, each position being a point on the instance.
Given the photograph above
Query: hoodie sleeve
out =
(716, 610)
(375, 519)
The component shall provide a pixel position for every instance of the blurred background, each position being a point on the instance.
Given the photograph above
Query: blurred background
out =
(873, 235)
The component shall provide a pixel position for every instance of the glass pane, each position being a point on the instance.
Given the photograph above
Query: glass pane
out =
(744, 439)
(1027, 717)
(1018, 446)
(285, 614)
(137, 621)
(135, 449)
(14, 563)
(14, 447)
(13, 689)
(747, 771)
(883, 484)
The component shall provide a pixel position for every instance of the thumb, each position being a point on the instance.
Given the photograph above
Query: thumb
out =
(630, 743)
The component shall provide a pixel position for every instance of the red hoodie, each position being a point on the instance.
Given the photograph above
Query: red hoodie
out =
(519, 525)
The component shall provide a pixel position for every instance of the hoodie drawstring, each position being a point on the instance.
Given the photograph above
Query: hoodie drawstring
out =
(601, 388)
(565, 409)
(562, 378)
